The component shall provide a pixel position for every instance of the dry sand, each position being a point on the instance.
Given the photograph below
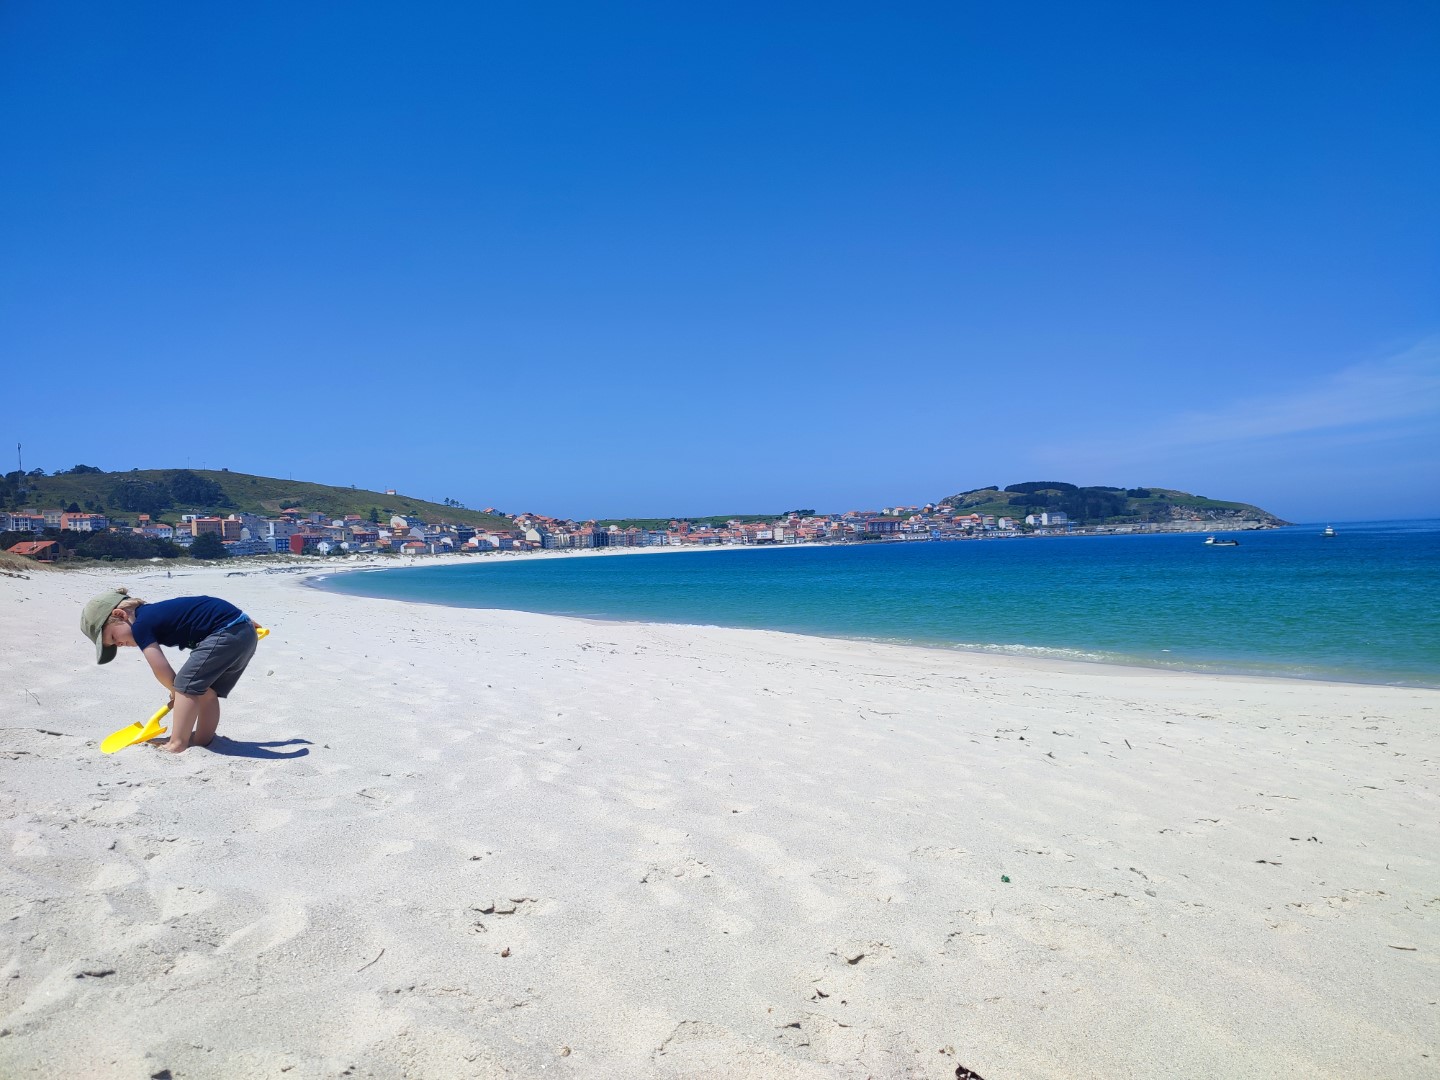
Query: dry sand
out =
(442, 842)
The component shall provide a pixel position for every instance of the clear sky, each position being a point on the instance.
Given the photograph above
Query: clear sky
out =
(671, 258)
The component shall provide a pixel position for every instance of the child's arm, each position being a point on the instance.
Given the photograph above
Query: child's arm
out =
(160, 667)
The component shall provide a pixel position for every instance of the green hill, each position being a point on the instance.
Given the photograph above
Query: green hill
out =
(168, 493)
(1105, 505)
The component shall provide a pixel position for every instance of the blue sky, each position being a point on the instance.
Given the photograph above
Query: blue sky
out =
(668, 258)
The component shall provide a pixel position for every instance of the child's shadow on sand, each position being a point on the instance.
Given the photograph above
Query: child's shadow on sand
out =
(222, 744)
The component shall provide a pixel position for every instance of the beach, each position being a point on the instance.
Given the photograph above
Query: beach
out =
(440, 842)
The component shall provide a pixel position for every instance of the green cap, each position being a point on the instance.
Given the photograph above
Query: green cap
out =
(93, 620)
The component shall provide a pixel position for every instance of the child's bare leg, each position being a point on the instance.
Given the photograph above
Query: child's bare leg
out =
(182, 721)
(209, 719)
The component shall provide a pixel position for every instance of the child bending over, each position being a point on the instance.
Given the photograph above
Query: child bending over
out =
(221, 639)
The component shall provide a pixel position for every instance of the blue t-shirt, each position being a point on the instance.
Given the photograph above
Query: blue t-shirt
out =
(182, 623)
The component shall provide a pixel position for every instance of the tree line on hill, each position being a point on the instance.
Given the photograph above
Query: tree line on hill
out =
(1078, 503)
(129, 494)
(155, 496)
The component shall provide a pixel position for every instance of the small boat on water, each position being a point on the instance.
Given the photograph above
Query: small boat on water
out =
(1329, 531)
(1210, 541)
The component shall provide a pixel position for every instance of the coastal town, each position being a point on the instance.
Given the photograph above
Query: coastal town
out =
(38, 534)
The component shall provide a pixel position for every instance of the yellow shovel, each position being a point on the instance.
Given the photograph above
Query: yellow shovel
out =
(150, 729)
(137, 732)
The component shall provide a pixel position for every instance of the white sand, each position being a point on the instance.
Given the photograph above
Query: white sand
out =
(707, 852)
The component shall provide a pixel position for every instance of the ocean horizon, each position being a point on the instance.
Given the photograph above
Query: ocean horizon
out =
(1287, 602)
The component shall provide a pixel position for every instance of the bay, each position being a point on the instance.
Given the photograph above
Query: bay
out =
(1361, 606)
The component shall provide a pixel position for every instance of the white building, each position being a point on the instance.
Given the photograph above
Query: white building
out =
(277, 529)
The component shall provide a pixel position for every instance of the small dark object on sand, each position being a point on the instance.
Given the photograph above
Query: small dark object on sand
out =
(1005, 878)
(962, 1073)
(362, 967)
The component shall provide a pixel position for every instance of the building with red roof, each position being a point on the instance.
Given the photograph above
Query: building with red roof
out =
(39, 550)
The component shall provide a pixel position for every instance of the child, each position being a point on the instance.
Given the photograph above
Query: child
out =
(221, 639)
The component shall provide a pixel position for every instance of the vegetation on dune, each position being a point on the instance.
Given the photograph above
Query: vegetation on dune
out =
(11, 565)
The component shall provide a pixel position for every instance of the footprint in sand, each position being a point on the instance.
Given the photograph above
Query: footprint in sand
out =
(154, 847)
(179, 901)
(107, 813)
(939, 853)
(384, 849)
(384, 797)
(28, 845)
(271, 818)
(687, 869)
(285, 921)
(113, 875)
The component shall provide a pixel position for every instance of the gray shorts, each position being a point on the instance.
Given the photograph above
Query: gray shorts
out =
(218, 662)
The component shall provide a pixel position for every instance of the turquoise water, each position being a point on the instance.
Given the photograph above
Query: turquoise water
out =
(1363, 606)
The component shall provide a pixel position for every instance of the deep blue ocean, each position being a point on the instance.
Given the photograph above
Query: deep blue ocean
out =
(1361, 606)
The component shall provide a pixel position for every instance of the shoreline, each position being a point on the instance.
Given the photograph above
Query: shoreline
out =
(1037, 654)
(463, 841)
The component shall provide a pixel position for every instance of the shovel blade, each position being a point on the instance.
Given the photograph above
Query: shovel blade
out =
(133, 733)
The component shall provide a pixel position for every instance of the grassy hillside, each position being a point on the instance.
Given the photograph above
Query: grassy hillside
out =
(1105, 505)
(172, 492)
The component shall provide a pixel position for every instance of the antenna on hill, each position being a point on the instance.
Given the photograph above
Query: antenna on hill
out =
(20, 464)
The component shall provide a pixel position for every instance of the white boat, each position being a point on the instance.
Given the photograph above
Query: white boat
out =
(1329, 531)
(1210, 541)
